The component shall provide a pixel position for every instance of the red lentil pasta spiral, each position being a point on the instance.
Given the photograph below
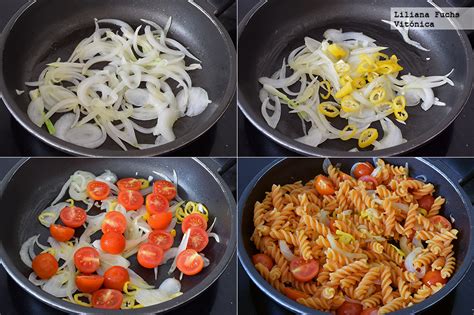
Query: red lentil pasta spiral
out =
(358, 242)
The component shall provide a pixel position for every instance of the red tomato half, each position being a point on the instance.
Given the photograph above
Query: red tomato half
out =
(149, 255)
(107, 299)
(370, 311)
(61, 233)
(324, 185)
(161, 238)
(89, 283)
(112, 243)
(369, 179)
(440, 222)
(190, 262)
(115, 277)
(129, 184)
(362, 169)
(86, 259)
(98, 190)
(114, 221)
(426, 202)
(156, 203)
(45, 265)
(433, 277)
(160, 220)
(304, 270)
(348, 308)
(130, 199)
(263, 259)
(73, 217)
(198, 239)
(194, 220)
(164, 188)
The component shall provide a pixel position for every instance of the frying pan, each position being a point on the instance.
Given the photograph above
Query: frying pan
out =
(39, 181)
(44, 30)
(272, 29)
(293, 169)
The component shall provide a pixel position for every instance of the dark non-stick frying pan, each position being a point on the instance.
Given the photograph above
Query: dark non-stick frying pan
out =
(33, 184)
(292, 169)
(273, 28)
(44, 30)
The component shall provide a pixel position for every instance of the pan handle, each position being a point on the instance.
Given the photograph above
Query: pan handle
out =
(214, 7)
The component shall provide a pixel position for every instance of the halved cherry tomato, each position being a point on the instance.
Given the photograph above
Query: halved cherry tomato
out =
(426, 202)
(361, 169)
(332, 227)
(86, 259)
(370, 311)
(369, 179)
(130, 199)
(190, 262)
(295, 294)
(194, 220)
(304, 270)
(161, 238)
(129, 184)
(263, 259)
(61, 233)
(160, 220)
(198, 239)
(107, 299)
(156, 203)
(324, 185)
(114, 221)
(433, 277)
(73, 217)
(149, 255)
(45, 265)
(112, 243)
(164, 188)
(89, 283)
(441, 222)
(348, 308)
(98, 190)
(115, 277)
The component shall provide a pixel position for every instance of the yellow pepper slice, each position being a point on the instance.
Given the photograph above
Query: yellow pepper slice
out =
(348, 132)
(144, 183)
(77, 299)
(345, 90)
(337, 51)
(129, 288)
(423, 212)
(367, 137)
(401, 115)
(325, 85)
(328, 109)
(349, 104)
(399, 103)
(344, 237)
(381, 56)
(372, 76)
(385, 107)
(399, 251)
(359, 82)
(377, 95)
(342, 67)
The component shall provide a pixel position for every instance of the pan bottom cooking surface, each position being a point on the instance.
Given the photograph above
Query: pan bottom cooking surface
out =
(253, 301)
(219, 298)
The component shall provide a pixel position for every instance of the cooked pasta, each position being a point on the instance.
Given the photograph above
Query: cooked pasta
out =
(376, 241)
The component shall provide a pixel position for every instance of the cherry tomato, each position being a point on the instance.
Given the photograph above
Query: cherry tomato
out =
(149, 255)
(370, 311)
(324, 185)
(348, 308)
(112, 243)
(190, 262)
(194, 220)
(304, 270)
(160, 220)
(86, 259)
(129, 184)
(263, 259)
(156, 203)
(98, 190)
(369, 179)
(114, 221)
(107, 299)
(164, 188)
(295, 294)
(198, 239)
(361, 169)
(61, 233)
(89, 283)
(332, 227)
(115, 277)
(441, 222)
(426, 202)
(45, 265)
(130, 199)
(433, 277)
(73, 217)
(161, 238)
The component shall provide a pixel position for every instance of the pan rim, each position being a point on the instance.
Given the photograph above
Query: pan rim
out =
(191, 294)
(291, 305)
(303, 149)
(70, 148)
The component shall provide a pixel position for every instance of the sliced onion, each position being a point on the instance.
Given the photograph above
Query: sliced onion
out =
(182, 246)
(334, 246)
(285, 250)
(169, 254)
(170, 286)
(326, 164)
(135, 279)
(33, 278)
(27, 250)
(36, 111)
(421, 178)
(410, 258)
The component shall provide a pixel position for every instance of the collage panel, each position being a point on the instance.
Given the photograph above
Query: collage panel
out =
(82, 239)
(320, 235)
(335, 78)
(118, 78)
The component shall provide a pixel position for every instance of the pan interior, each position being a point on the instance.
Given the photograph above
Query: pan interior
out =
(33, 43)
(276, 29)
(295, 169)
(35, 185)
